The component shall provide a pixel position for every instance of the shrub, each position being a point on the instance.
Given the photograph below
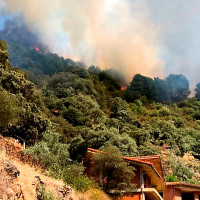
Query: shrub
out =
(148, 149)
(171, 178)
(8, 108)
(114, 169)
(188, 110)
(50, 151)
(96, 194)
(80, 183)
(179, 123)
(154, 113)
(191, 181)
(55, 157)
(43, 194)
(179, 170)
(138, 108)
(164, 111)
(196, 115)
(73, 175)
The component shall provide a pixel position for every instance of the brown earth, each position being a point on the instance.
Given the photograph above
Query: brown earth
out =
(11, 152)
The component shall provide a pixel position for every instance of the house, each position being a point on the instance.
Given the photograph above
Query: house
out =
(181, 191)
(149, 177)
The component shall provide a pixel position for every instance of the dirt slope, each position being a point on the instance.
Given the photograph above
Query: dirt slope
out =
(11, 152)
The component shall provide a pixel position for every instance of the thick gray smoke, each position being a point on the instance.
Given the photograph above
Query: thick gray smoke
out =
(116, 34)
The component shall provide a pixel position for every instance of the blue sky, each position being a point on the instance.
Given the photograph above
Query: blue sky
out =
(3, 18)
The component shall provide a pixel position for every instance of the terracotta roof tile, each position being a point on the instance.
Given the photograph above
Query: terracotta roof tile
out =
(180, 184)
(135, 159)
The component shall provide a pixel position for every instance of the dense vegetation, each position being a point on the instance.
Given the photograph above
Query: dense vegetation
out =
(118, 172)
(68, 108)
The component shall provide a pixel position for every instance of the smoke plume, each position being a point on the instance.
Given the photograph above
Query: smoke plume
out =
(15, 31)
(114, 34)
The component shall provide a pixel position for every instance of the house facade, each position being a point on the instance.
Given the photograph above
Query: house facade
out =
(149, 177)
(149, 180)
(181, 191)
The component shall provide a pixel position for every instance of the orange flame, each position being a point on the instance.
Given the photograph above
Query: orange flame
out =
(123, 88)
(37, 49)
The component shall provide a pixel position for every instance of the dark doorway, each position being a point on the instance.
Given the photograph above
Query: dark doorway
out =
(187, 196)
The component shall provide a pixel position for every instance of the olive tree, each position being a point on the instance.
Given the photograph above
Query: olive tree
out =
(110, 165)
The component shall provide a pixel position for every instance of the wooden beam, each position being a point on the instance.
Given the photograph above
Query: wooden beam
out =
(151, 192)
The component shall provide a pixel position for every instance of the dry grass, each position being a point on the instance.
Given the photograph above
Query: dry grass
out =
(93, 194)
(6, 183)
(27, 180)
(27, 176)
(12, 153)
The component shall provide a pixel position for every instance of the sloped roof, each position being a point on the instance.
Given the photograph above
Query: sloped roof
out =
(151, 164)
(155, 160)
(134, 159)
(184, 186)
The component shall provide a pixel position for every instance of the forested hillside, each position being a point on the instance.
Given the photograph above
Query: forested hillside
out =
(61, 107)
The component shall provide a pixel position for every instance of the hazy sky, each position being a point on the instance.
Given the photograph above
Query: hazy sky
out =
(173, 26)
(178, 22)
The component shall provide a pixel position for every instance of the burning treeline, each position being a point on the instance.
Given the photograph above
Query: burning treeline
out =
(16, 31)
(109, 33)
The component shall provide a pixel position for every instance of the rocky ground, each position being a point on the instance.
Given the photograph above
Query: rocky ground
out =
(21, 178)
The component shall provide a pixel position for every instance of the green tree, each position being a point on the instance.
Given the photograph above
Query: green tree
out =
(119, 110)
(179, 170)
(21, 97)
(141, 86)
(178, 87)
(82, 110)
(141, 136)
(53, 154)
(94, 70)
(109, 81)
(197, 90)
(147, 149)
(9, 110)
(101, 136)
(82, 73)
(138, 108)
(163, 94)
(66, 84)
(118, 172)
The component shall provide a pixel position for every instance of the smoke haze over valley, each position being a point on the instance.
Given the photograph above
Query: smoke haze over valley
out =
(148, 37)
